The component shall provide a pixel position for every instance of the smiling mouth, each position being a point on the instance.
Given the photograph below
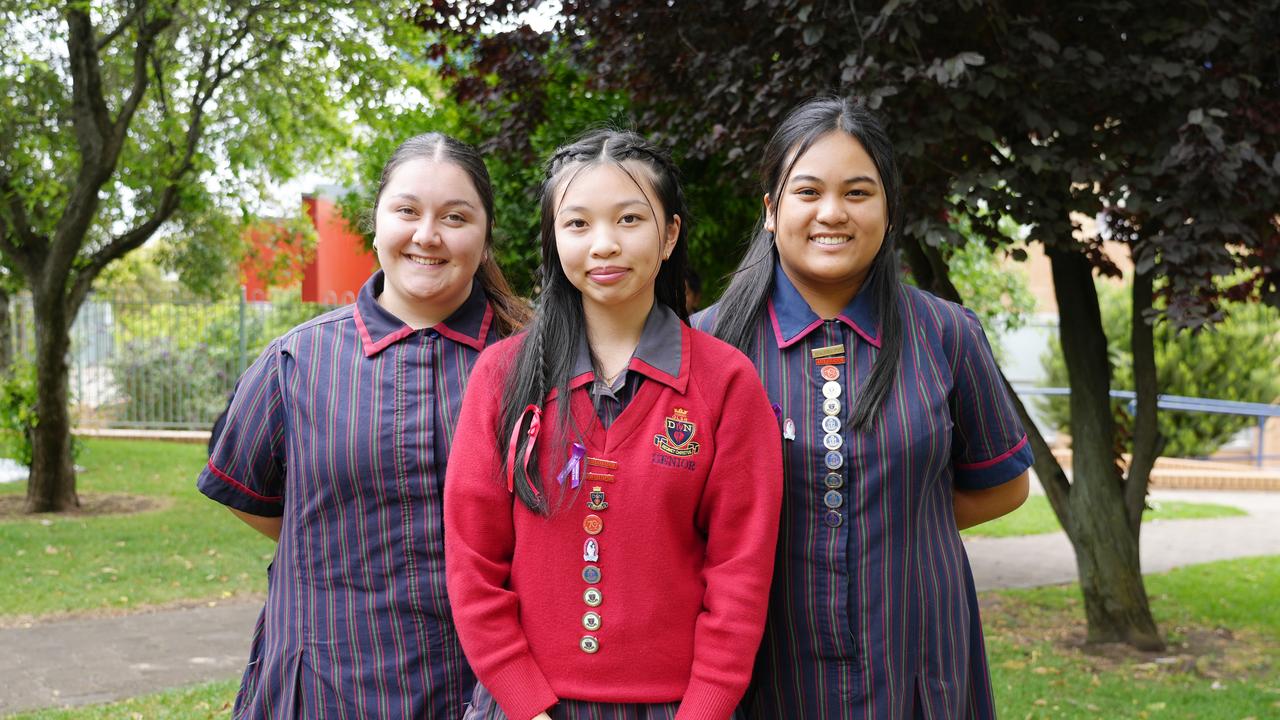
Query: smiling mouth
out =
(830, 239)
(425, 262)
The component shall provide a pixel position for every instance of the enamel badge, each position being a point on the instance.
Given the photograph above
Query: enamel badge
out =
(596, 499)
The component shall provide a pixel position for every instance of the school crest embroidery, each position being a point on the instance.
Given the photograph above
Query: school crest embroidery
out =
(678, 438)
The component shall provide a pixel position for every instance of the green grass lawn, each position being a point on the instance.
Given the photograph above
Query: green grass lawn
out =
(1223, 661)
(1222, 621)
(1036, 517)
(192, 550)
(198, 702)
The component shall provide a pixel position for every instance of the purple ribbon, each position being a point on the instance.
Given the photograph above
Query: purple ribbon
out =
(777, 412)
(573, 466)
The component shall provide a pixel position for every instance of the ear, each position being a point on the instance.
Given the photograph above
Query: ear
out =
(770, 222)
(673, 235)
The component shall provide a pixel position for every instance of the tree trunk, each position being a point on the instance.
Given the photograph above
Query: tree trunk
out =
(1147, 440)
(1106, 548)
(52, 483)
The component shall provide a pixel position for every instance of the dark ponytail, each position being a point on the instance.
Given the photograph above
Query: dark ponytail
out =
(510, 311)
(545, 359)
(752, 282)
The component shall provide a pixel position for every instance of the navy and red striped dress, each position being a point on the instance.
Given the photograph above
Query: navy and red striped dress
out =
(873, 612)
(343, 426)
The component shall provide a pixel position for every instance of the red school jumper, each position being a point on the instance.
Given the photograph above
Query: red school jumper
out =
(649, 583)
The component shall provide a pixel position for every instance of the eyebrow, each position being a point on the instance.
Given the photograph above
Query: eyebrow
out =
(847, 181)
(446, 203)
(617, 206)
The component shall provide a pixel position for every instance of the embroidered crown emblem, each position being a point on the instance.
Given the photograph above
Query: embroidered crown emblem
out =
(678, 437)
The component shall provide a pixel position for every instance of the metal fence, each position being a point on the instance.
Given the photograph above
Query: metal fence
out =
(1259, 412)
(171, 364)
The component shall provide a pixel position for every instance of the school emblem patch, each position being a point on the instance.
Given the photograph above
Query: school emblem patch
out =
(678, 438)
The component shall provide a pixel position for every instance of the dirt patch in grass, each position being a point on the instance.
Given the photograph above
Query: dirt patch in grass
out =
(12, 507)
(1207, 652)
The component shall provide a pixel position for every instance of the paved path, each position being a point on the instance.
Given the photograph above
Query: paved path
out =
(78, 662)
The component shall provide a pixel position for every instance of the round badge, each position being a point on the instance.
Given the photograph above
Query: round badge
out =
(833, 519)
(832, 441)
(591, 620)
(831, 406)
(830, 372)
(831, 390)
(834, 480)
(834, 460)
(589, 644)
(831, 424)
(592, 524)
(592, 597)
(833, 499)
(591, 574)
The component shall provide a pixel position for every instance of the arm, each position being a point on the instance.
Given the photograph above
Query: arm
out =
(973, 507)
(269, 526)
(991, 453)
(740, 509)
(479, 542)
(246, 470)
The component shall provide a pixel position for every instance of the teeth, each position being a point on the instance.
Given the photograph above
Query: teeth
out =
(424, 261)
(831, 240)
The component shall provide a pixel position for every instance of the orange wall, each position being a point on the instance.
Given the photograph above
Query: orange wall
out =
(342, 260)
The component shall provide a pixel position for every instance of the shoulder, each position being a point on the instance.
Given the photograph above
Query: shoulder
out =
(497, 358)
(315, 327)
(714, 363)
(949, 321)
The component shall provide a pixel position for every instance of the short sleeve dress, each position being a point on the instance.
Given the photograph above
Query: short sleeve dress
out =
(343, 426)
(873, 612)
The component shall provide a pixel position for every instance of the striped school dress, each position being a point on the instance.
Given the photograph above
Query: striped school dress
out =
(342, 427)
(873, 612)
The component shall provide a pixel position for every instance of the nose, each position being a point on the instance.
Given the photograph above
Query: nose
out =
(831, 210)
(426, 232)
(604, 243)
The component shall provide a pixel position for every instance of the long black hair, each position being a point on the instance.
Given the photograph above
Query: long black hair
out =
(510, 311)
(752, 282)
(545, 359)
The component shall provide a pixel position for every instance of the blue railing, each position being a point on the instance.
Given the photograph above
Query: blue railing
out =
(1260, 411)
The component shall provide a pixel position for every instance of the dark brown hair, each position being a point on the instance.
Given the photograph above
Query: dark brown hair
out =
(510, 311)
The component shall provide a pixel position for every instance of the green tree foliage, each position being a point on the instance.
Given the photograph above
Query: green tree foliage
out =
(569, 105)
(1237, 358)
(122, 122)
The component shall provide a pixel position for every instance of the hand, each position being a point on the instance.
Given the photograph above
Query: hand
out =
(542, 716)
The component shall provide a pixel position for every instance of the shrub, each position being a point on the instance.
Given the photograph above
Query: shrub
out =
(18, 411)
(1237, 358)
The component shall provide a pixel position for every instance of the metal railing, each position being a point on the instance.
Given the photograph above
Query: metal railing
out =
(160, 364)
(1261, 412)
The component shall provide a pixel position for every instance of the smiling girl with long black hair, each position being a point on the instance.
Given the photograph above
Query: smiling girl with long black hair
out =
(611, 516)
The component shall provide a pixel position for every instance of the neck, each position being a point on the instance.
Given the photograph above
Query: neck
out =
(828, 301)
(614, 332)
(425, 314)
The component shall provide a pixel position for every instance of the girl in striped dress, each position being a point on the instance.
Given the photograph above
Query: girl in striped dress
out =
(610, 525)
(335, 445)
(897, 432)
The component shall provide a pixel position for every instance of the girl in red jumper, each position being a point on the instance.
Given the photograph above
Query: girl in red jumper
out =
(611, 508)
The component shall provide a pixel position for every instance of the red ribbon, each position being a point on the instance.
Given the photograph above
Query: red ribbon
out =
(534, 425)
